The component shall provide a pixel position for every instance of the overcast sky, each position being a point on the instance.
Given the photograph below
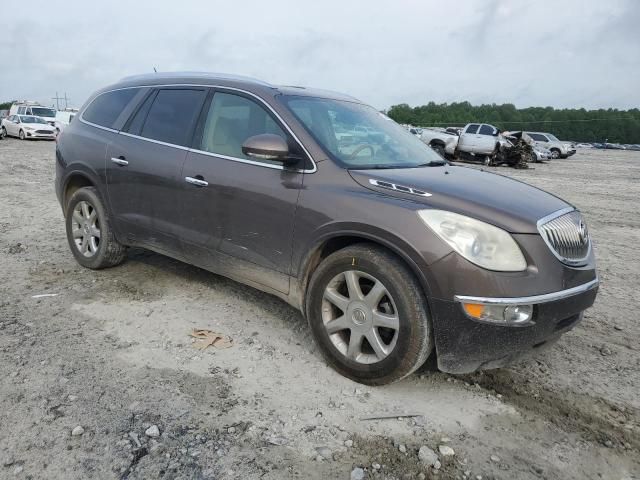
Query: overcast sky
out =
(561, 53)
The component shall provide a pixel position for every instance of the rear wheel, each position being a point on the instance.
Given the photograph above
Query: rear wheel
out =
(3, 132)
(368, 315)
(89, 231)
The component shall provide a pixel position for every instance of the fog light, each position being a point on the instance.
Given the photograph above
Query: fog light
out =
(499, 314)
(517, 313)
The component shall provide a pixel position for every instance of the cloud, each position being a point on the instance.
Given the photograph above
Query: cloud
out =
(565, 54)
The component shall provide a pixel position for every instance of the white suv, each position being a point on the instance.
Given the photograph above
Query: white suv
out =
(557, 148)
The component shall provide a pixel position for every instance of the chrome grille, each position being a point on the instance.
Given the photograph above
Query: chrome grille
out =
(567, 236)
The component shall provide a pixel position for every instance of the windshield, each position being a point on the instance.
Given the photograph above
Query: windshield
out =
(44, 112)
(551, 137)
(29, 119)
(357, 136)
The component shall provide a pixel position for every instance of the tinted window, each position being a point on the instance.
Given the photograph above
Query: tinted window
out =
(106, 108)
(135, 124)
(172, 115)
(472, 128)
(231, 120)
(486, 130)
(538, 138)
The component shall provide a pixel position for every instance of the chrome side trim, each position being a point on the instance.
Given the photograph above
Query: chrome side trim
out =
(398, 188)
(219, 87)
(250, 162)
(533, 300)
(180, 147)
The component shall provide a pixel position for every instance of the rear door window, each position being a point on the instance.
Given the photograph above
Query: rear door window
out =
(473, 128)
(538, 138)
(172, 115)
(106, 108)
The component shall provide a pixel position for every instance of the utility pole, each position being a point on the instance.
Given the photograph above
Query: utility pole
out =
(58, 98)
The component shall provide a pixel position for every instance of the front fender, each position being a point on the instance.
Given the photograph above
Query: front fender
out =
(335, 230)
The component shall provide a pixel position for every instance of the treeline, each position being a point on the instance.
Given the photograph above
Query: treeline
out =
(611, 125)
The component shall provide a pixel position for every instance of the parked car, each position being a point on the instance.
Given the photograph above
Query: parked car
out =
(390, 253)
(28, 127)
(63, 118)
(557, 148)
(34, 109)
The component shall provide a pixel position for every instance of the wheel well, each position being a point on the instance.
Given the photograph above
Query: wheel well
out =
(338, 243)
(74, 183)
(436, 142)
(554, 149)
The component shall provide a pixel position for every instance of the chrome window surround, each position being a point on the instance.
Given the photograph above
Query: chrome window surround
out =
(398, 188)
(567, 261)
(533, 300)
(195, 150)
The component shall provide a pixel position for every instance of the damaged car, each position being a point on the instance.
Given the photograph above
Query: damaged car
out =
(392, 254)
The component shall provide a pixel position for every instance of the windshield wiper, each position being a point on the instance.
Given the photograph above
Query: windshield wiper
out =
(436, 163)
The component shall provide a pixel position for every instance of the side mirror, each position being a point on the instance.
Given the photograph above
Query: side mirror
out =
(266, 147)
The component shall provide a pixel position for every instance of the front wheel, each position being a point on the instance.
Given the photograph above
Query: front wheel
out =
(89, 231)
(555, 154)
(3, 132)
(21, 134)
(368, 315)
(439, 149)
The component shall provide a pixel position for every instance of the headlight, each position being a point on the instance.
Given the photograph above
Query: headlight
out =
(28, 128)
(483, 244)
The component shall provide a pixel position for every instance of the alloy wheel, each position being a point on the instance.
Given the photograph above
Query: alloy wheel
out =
(85, 227)
(360, 317)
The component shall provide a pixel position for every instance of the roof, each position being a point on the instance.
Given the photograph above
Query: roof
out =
(224, 79)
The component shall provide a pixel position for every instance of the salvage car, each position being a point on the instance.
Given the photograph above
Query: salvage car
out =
(28, 127)
(391, 253)
(557, 148)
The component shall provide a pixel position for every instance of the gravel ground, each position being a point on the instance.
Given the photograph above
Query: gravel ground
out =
(100, 379)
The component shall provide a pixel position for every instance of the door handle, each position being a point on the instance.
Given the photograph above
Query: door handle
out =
(199, 182)
(120, 161)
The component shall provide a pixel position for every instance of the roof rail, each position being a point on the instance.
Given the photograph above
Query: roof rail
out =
(210, 75)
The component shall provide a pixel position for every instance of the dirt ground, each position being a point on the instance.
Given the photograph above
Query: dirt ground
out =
(109, 351)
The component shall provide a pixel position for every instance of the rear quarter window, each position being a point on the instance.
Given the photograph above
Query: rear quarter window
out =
(107, 107)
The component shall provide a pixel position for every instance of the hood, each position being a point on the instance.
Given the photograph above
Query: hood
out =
(509, 204)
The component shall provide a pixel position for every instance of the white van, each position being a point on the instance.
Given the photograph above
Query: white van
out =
(35, 109)
(64, 117)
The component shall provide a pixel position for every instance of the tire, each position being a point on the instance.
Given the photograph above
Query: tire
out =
(3, 133)
(21, 135)
(555, 153)
(438, 148)
(402, 348)
(86, 216)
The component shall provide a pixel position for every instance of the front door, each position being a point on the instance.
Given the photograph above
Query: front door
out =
(144, 164)
(240, 217)
(486, 139)
(467, 141)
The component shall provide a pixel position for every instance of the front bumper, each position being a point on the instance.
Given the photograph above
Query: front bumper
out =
(464, 345)
(44, 136)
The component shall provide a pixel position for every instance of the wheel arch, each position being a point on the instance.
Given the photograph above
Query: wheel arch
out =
(73, 181)
(333, 241)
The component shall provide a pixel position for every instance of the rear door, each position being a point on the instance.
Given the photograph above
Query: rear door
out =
(144, 164)
(239, 220)
(467, 140)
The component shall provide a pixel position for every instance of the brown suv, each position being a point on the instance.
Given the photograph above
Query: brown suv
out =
(391, 253)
